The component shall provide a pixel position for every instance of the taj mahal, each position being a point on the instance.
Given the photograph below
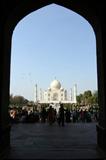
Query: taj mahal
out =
(55, 94)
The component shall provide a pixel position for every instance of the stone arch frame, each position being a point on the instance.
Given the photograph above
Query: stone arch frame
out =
(14, 12)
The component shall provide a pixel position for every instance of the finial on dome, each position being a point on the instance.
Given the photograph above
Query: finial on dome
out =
(55, 77)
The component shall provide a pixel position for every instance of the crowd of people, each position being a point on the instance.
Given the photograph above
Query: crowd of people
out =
(50, 115)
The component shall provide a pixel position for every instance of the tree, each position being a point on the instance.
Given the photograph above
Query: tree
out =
(18, 100)
(88, 98)
(95, 97)
(80, 99)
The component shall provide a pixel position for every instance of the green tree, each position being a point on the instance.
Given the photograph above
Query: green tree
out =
(87, 97)
(95, 97)
(79, 99)
(18, 100)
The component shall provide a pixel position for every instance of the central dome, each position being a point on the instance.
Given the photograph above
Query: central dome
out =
(55, 84)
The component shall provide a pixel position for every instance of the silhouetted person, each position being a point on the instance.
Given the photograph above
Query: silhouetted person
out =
(61, 115)
(43, 115)
(51, 115)
(67, 115)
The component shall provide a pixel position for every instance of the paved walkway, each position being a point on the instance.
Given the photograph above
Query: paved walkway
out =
(42, 141)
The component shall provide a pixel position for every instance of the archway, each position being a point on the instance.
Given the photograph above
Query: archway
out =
(18, 11)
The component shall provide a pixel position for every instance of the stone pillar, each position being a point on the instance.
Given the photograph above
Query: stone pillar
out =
(101, 60)
(5, 44)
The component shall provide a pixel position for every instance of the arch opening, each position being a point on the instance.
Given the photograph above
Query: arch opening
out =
(60, 60)
(11, 22)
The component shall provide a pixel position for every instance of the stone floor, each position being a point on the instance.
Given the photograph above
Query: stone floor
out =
(42, 141)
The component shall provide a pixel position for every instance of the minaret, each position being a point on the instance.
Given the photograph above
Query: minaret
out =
(41, 94)
(71, 95)
(35, 93)
(75, 93)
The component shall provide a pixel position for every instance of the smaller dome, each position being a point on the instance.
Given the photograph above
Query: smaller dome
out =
(55, 85)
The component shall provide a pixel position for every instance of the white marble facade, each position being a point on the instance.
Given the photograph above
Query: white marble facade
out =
(55, 94)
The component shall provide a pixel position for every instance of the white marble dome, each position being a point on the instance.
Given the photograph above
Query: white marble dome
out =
(55, 84)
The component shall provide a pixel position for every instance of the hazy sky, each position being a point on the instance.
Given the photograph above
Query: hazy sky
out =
(53, 42)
